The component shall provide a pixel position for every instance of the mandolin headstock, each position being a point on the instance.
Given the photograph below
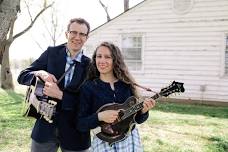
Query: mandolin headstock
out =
(173, 88)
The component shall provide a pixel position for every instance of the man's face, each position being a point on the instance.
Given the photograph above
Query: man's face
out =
(76, 36)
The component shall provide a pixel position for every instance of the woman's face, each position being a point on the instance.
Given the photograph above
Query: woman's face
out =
(104, 60)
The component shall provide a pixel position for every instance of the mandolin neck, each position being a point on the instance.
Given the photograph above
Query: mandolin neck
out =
(137, 107)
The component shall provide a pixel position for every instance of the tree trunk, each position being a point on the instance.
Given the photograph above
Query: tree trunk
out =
(6, 74)
(8, 15)
(126, 5)
(8, 11)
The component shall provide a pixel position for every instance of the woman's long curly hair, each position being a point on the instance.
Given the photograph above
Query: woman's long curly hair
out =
(120, 69)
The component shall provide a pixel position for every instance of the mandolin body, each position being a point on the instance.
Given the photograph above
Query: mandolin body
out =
(119, 129)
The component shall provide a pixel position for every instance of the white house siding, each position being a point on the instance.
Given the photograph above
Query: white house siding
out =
(183, 47)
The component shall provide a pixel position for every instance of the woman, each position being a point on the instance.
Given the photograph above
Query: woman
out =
(109, 82)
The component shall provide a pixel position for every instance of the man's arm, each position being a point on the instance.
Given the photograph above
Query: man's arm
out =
(27, 76)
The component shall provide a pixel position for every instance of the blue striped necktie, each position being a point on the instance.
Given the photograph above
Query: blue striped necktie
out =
(68, 73)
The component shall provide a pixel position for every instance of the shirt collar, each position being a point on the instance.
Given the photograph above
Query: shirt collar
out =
(78, 57)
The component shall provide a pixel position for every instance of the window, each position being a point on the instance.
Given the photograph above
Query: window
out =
(226, 56)
(132, 52)
(182, 6)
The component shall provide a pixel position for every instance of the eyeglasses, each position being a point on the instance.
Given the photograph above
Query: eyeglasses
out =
(75, 33)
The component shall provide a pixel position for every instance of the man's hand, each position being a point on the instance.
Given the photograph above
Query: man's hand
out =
(45, 76)
(52, 90)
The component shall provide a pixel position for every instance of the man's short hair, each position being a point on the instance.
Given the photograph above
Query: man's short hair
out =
(79, 21)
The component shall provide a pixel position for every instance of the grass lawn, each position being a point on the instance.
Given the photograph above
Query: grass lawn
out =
(170, 127)
(186, 128)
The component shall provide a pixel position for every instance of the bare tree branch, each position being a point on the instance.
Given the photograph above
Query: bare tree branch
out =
(54, 23)
(30, 15)
(10, 38)
(33, 21)
(38, 44)
(47, 29)
(106, 10)
(52, 27)
(45, 3)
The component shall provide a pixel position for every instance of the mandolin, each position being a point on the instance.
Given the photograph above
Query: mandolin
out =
(120, 128)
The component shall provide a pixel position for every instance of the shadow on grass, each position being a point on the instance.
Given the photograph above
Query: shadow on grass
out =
(211, 111)
(219, 143)
(11, 101)
(11, 110)
(16, 97)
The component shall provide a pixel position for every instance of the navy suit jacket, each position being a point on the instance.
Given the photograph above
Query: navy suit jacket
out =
(53, 60)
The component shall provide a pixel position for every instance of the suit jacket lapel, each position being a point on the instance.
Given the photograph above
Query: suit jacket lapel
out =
(61, 62)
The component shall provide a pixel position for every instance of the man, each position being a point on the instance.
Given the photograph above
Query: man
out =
(50, 66)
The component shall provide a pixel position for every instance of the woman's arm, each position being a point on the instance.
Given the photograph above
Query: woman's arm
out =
(143, 115)
(87, 119)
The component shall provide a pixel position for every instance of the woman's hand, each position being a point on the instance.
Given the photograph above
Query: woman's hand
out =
(147, 105)
(108, 116)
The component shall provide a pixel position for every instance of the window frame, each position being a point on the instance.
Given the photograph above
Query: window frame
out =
(223, 53)
(225, 73)
(142, 49)
(181, 12)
